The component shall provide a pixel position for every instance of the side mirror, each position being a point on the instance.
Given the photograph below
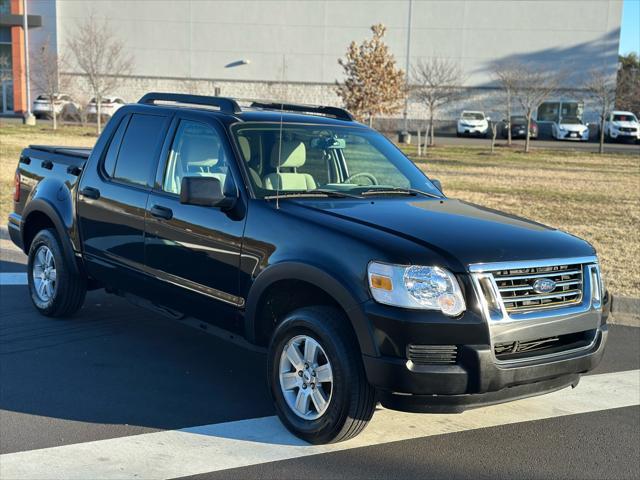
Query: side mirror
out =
(437, 183)
(488, 119)
(207, 192)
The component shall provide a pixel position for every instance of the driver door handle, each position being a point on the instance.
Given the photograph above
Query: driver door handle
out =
(161, 212)
(90, 192)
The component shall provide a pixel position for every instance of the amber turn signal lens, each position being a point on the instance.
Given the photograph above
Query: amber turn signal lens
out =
(381, 282)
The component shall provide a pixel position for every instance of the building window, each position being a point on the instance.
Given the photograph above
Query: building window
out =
(5, 7)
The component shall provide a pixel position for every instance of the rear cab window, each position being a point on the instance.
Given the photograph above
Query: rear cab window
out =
(133, 151)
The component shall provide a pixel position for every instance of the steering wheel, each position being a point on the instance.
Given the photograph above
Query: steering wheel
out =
(372, 179)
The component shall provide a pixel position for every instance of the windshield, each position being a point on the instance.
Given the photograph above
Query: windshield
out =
(572, 120)
(517, 119)
(624, 118)
(472, 116)
(326, 160)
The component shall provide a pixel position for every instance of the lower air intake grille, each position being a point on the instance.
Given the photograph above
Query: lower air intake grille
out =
(432, 354)
(543, 346)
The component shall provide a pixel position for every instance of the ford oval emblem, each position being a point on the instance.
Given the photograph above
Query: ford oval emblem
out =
(544, 285)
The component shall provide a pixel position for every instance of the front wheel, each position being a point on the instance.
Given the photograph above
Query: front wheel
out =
(56, 290)
(316, 376)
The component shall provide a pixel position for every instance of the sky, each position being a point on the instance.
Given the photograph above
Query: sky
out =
(630, 29)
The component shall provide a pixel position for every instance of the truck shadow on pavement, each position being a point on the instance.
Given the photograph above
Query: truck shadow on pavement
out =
(114, 363)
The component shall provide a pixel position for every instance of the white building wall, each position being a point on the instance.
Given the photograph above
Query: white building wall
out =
(298, 42)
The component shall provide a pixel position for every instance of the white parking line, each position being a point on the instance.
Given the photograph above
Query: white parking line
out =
(13, 278)
(222, 446)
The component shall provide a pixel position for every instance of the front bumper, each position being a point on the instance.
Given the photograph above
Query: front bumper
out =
(472, 131)
(623, 134)
(476, 381)
(573, 135)
(476, 378)
(14, 227)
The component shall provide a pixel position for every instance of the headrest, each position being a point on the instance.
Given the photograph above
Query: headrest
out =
(292, 154)
(245, 148)
(199, 148)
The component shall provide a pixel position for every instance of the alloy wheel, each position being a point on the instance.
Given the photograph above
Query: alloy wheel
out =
(306, 377)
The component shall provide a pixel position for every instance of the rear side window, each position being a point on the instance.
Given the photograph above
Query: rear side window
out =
(140, 143)
(110, 158)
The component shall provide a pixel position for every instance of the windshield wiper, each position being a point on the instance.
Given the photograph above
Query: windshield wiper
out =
(318, 192)
(398, 191)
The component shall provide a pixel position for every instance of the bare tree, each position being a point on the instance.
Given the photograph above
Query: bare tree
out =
(101, 56)
(601, 88)
(437, 82)
(373, 84)
(532, 87)
(47, 78)
(506, 74)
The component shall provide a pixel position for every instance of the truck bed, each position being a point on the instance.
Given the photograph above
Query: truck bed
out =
(49, 167)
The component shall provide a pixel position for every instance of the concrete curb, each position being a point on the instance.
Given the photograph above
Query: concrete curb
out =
(625, 311)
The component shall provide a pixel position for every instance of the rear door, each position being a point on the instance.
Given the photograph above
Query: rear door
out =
(113, 197)
(195, 248)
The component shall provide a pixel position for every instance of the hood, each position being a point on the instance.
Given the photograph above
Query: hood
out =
(625, 124)
(474, 123)
(462, 233)
(573, 127)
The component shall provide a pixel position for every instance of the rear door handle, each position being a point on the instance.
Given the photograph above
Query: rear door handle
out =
(90, 192)
(161, 212)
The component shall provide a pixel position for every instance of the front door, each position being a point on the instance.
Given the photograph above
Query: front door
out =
(195, 248)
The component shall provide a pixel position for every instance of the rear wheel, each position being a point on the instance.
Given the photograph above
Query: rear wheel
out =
(316, 376)
(56, 290)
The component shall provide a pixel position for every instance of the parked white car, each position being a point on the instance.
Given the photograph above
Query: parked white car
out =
(622, 125)
(63, 105)
(473, 123)
(570, 128)
(108, 107)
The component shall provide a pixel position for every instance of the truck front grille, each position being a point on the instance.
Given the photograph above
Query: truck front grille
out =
(525, 289)
(432, 354)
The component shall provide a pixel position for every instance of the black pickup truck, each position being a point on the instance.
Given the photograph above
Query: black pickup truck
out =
(311, 234)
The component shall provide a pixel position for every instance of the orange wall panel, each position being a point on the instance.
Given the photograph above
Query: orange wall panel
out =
(18, 59)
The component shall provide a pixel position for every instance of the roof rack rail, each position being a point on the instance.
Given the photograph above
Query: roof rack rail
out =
(339, 113)
(226, 105)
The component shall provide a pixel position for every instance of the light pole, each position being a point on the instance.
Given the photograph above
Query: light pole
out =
(405, 113)
(29, 119)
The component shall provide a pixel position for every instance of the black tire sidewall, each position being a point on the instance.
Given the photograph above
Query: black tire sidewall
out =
(48, 238)
(325, 428)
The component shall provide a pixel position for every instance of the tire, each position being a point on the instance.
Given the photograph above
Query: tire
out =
(350, 397)
(66, 290)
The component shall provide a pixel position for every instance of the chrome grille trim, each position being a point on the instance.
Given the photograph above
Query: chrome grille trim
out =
(510, 284)
(518, 294)
(560, 318)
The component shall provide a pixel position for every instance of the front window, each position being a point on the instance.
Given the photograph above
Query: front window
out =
(196, 152)
(472, 116)
(325, 160)
(571, 121)
(624, 117)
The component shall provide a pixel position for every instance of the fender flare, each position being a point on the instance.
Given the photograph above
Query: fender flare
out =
(43, 206)
(321, 279)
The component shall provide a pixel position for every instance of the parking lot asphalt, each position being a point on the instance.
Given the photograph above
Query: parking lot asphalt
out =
(119, 392)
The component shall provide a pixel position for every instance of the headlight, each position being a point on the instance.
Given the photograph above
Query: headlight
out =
(418, 287)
